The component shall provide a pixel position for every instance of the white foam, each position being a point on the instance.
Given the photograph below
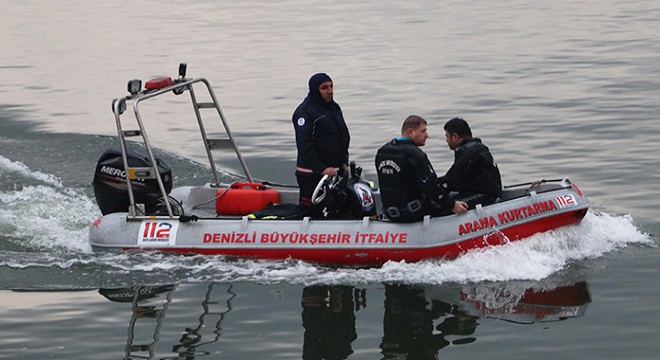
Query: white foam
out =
(46, 217)
(23, 260)
(531, 259)
(18, 167)
(54, 218)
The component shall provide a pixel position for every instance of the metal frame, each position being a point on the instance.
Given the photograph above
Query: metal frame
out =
(134, 173)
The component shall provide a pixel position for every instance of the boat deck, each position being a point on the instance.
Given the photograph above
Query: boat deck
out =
(200, 201)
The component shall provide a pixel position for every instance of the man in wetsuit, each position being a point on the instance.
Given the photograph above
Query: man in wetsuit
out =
(474, 174)
(409, 186)
(322, 139)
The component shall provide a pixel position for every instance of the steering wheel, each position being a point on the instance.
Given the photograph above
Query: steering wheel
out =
(326, 183)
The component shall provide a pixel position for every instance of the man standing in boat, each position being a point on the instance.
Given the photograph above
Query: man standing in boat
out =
(409, 186)
(322, 140)
(474, 174)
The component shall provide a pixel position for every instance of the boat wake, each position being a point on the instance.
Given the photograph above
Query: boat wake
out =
(37, 213)
(44, 228)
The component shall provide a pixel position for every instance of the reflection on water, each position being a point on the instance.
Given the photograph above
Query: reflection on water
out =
(142, 313)
(417, 324)
(418, 321)
(329, 320)
(145, 312)
(408, 324)
(192, 338)
(528, 306)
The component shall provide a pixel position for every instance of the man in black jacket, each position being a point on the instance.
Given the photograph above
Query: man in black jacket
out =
(474, 174)
(409, 186)
(322, 139)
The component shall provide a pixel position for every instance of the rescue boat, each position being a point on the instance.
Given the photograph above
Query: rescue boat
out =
(143, 211)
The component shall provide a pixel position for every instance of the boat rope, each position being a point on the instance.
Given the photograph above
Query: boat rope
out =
(269, 183)
(531, 184)
(218, 196)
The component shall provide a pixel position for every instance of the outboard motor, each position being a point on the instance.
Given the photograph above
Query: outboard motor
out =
(110, 188)
(351, 198)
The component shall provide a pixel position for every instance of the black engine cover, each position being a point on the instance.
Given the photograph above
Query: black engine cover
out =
(110, 188)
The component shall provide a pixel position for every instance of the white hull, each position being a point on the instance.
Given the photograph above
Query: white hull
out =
(363, 241)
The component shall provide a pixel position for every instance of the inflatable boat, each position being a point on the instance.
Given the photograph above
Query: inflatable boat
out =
(142, 210)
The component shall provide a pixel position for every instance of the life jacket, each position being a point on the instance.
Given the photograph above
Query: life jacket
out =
(408, 183)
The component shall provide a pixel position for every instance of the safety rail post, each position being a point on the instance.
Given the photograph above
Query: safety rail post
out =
(152, 158)
(122, 143)
(207, 142)
(202, 130)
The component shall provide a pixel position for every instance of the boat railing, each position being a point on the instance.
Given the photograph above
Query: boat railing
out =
(155, 88)
(540, 186)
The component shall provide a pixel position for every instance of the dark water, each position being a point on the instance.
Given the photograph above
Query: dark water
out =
(557, 89)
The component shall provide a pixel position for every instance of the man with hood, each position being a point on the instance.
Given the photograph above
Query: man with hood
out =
(474, 174)
(322, 140)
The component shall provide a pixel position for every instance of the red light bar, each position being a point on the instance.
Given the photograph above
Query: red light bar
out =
(158, 83)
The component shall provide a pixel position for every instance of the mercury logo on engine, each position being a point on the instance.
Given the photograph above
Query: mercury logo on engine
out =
(119, 174)
(113, 171)
(157, 233)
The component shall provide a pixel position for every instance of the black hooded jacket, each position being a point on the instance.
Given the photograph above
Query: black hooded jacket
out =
(474, 170)
(322, 137)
